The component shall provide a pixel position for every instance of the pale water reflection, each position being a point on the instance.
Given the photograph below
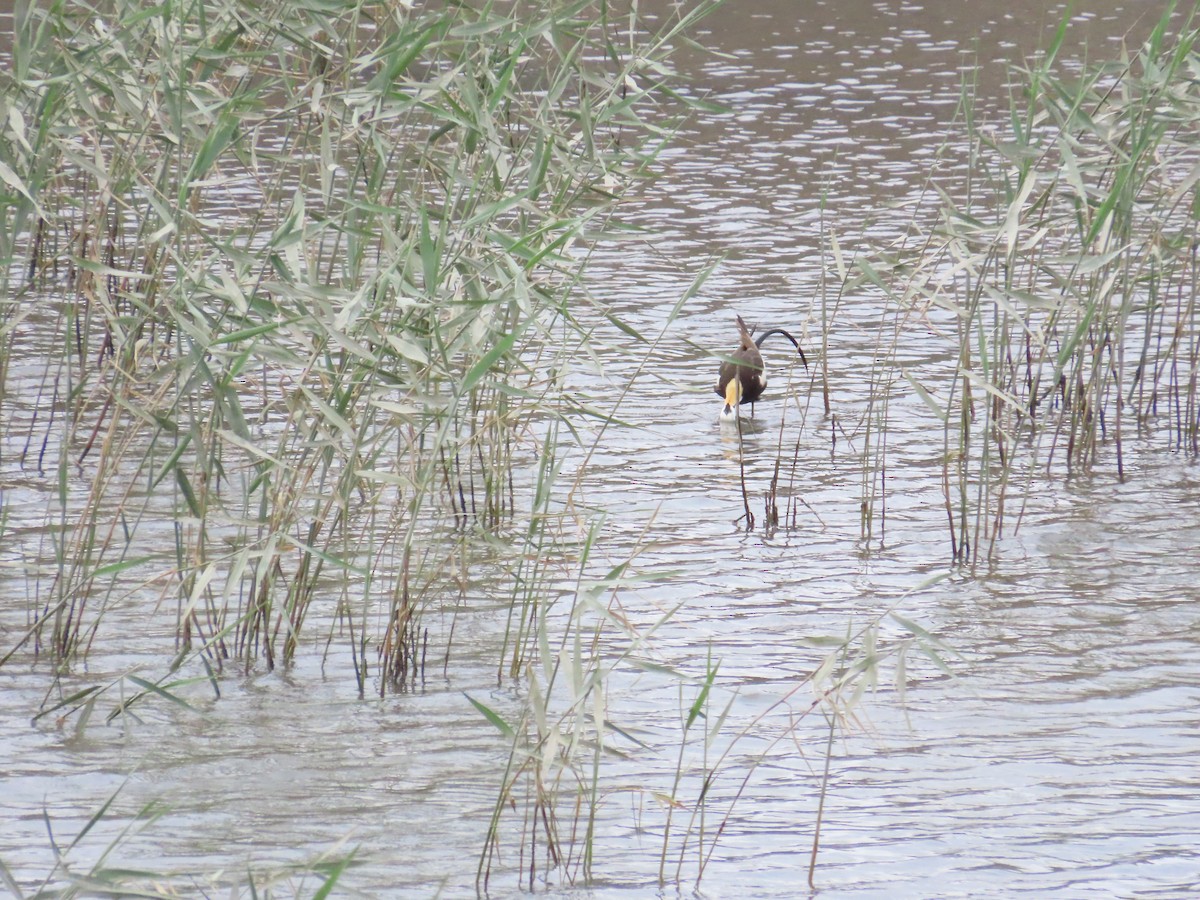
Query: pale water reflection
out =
(1061, 755)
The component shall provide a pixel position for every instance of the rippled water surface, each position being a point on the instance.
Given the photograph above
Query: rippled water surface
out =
(1060, 754)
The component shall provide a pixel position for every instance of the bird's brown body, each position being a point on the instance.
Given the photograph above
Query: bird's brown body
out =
(743, 377)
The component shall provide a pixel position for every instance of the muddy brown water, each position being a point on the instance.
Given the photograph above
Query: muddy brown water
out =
(1061, 756)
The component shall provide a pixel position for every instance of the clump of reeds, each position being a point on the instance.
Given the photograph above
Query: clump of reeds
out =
(304, 280)
(554, 787)
(1067, 264)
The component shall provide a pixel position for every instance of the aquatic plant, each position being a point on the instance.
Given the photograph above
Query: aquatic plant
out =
(556, 783)
(1063, 269)
(292, 294)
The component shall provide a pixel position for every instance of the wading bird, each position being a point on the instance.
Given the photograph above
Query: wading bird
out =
(744, 377)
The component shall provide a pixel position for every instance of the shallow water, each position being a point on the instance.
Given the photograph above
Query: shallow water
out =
(1059, 757)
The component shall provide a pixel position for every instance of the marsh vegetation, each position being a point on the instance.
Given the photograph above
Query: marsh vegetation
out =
(295, 314)
(295, 291)
(1062, 275)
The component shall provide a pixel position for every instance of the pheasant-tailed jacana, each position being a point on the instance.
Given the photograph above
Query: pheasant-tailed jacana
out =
(744, 377)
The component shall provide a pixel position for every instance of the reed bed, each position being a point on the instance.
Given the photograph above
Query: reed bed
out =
(1060, 275)
(291, 292)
